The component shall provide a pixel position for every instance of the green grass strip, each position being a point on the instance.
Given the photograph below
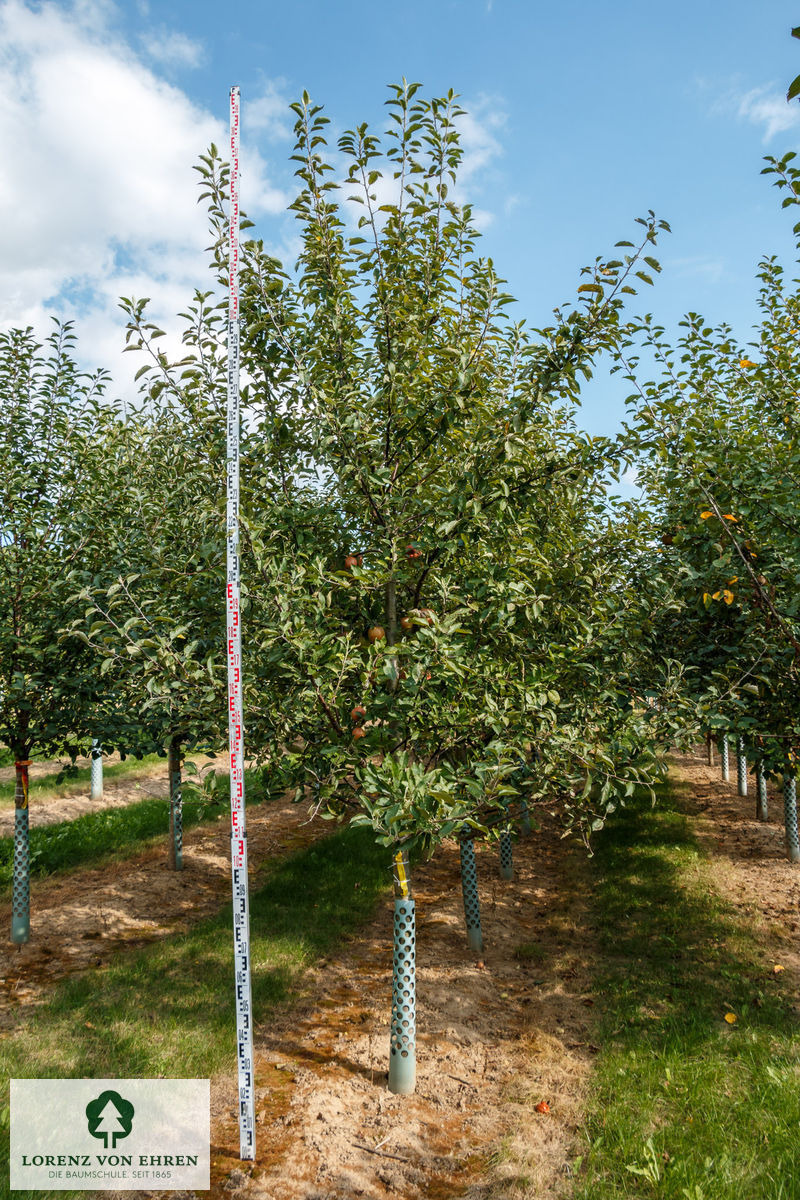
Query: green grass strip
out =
(169, 1010)
(685, 1105)
(95, 835)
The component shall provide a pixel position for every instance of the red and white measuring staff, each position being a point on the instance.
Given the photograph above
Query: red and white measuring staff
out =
(241, 906)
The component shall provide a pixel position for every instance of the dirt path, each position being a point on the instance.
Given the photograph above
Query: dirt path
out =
(79, 919)
(492, 1041)
(147, 782)
(495, 1038)
(751, 869)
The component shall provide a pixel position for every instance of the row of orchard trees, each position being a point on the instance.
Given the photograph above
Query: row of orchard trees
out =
(444, 609)
(719, 459)
(441, 604)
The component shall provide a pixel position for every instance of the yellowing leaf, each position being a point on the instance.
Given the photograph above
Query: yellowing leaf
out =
(727, 596)
(776, 970)
(706, 597)
(731, 1018)
(734, 580)
(745, 362)
(730, 517)
(705, 515)
(716, 595)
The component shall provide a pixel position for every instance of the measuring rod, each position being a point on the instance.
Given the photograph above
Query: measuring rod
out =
(241, 906)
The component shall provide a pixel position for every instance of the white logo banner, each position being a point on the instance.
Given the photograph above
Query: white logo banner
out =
(110, 1134)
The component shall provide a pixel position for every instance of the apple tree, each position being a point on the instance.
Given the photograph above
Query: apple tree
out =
(447, 624)
(718, 438)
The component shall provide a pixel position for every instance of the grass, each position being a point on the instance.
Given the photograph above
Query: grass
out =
(685, 1105)
(74, 781)
(169, 1010)
(99, 835)
(531, 952)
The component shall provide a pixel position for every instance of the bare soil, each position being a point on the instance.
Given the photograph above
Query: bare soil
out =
(495, 1036)
(751, 867)
(492, 1041)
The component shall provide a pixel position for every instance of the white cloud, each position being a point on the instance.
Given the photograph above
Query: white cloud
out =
(173, 49)
(478, 128)
(768, 107)
(765, 106)
(97, 195)
(697, 266)
(270, 111)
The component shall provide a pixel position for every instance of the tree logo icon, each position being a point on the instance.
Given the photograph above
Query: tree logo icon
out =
(109, 1116)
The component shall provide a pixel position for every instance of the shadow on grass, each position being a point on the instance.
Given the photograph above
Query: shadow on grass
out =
(686, 1104)
(169, 1009)
(675, 945)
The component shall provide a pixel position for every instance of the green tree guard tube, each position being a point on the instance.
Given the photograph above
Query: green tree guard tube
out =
(403, 1047)
(761, 792)
(741, 767)
(472, 903)
(506, 855)
(790, 815)
(525, 818)
(96, 784)
(21, 888)
(175, 806)
(725, 758)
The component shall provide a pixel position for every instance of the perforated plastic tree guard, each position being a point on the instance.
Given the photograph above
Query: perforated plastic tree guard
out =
(472, 903)
(21, 884)
(724, 758)
(741, 767)
(96, 779)
(761, 792)
(506, 855)
(790, 817)
(403, 1037)
(176, 804)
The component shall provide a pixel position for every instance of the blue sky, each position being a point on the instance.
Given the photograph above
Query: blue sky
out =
(581, 118)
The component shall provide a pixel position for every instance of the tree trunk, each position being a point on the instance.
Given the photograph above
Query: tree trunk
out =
(391, 626)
